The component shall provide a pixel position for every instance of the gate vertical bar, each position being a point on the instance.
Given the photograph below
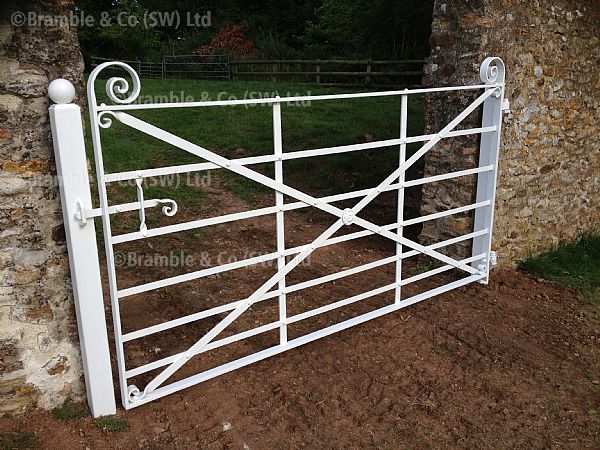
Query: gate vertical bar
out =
(400, 216)
(491, 71)
(280, 223)
(71, 166)
(113, 85)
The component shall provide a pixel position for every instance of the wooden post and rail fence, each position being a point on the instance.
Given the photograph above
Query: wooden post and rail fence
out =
(327, 72)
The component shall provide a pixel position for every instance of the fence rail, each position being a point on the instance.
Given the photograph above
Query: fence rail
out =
(146, 69)
(216, 67)
(347, 72)
(328, 72)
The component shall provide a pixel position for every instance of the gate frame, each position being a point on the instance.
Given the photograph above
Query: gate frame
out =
(81, 237)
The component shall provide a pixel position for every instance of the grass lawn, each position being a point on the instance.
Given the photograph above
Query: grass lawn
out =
(241, 131)
(574, 264)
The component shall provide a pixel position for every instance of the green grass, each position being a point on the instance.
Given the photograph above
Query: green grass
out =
(18, 441)
(573, 264)
(247, 131)
(70, 410)
(112, 424)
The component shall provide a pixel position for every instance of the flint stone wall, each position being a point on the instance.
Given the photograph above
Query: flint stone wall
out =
(549, 168)
(39, 354)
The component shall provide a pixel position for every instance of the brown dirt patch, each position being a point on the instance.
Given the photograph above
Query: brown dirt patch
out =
(511, 364)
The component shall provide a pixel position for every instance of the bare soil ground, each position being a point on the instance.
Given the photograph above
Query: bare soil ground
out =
(513, 364)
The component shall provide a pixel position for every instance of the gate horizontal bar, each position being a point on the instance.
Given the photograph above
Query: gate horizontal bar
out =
(228, 367)
(185, 168)
(272, 294)
(381, 290)
(297, 99)
(270, 256)
(447, 176)
(217, 220)
(448, 212)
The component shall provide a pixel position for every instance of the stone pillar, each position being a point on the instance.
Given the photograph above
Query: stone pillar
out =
(39, 354)
(549, 163)
(455, 58)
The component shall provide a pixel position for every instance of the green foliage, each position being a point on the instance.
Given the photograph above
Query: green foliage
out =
(385, 29)
(18, 441)
(371, 28)
(124, 42)
(112, 424)
(70, 410)
(337, 22)
(574, 264)
(423, 267)
(272, 46)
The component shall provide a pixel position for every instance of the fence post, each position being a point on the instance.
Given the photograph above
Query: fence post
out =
(368, 78)
(491, 72)
(71, 165)
(318, 73)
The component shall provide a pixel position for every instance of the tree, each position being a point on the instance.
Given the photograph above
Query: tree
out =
(125, 42)
(383, 29)
(371, 28)
(230, 40)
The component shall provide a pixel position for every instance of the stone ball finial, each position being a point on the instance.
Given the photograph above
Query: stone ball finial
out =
(61, 91)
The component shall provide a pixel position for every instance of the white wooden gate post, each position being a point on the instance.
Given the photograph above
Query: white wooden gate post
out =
(71, 165)
(491, 72)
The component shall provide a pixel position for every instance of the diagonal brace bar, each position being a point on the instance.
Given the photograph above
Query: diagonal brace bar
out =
(309, 200)
(223, 162)
(305, 198)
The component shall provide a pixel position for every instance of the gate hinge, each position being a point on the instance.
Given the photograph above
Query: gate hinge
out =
(493, 258)
(505, 105)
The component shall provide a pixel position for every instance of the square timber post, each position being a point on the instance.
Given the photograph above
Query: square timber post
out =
(71, 165)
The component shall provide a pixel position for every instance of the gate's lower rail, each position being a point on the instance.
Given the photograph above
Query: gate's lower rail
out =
(79, 210)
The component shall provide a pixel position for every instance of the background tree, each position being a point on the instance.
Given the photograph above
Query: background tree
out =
(382, 29)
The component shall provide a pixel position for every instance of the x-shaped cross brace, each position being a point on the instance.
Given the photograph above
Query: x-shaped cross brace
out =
(345, 217)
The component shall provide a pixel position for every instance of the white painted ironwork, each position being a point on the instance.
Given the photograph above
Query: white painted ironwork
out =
(476, 266)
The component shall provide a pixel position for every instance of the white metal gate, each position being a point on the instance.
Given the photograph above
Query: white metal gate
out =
(78, 211)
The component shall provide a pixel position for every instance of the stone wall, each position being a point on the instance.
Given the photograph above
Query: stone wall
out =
(549, 170)
(39, 355)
